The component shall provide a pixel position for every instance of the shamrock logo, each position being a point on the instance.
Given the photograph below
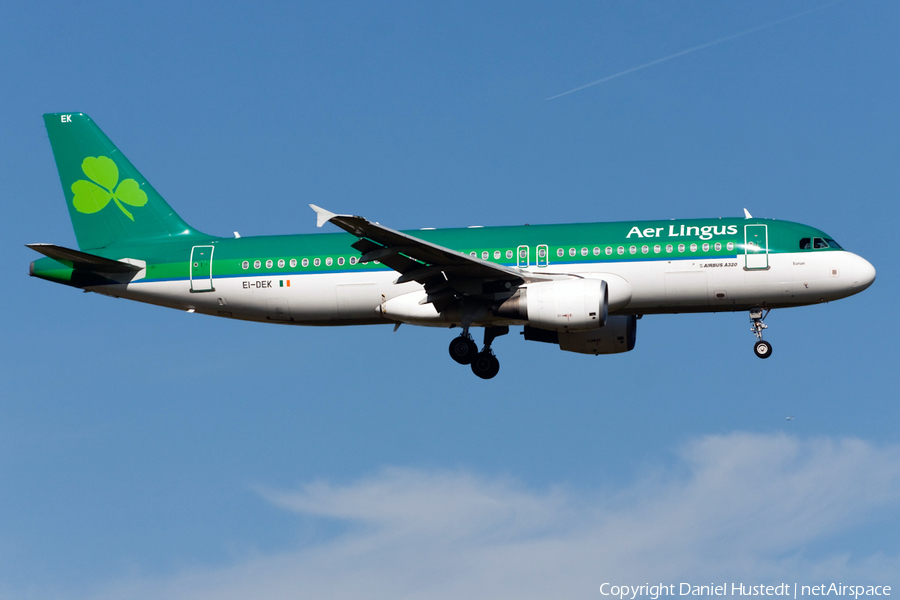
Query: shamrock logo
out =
(93, 196)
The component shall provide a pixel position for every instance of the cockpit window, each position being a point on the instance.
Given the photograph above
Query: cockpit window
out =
(818, 244)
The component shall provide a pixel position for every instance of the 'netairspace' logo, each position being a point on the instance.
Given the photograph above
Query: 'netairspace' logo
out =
(93, 196)
(658, 591)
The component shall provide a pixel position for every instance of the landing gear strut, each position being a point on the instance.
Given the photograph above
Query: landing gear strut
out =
(762, 348)
(464, 351)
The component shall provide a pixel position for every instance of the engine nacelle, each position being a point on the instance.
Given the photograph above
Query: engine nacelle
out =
(564, 305)
(618, 335)
(618, 290)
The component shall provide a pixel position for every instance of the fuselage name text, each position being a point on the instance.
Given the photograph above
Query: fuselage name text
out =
(706, 232)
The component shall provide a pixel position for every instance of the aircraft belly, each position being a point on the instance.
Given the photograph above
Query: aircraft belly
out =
(686, 288)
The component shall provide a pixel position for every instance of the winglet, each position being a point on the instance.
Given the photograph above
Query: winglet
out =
(322, 215)
(747, 215)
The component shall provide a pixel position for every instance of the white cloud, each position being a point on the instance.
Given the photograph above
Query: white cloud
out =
(737, 508)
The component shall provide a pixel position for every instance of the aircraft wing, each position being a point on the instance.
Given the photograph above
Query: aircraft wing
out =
(446, 274)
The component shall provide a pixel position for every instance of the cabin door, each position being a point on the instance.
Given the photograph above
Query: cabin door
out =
(201, 269)
(756, 246)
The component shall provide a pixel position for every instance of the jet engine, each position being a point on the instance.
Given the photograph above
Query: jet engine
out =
(618, 335)
(564, 305)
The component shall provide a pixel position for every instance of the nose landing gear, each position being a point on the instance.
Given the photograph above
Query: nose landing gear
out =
(464, 351)
(762, 348)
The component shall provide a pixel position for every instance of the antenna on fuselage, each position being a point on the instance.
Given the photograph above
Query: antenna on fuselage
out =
(747, 214)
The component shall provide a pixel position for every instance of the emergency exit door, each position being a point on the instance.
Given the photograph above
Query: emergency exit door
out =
(201, 269)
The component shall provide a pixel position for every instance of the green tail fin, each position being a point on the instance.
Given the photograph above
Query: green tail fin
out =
(110, 203)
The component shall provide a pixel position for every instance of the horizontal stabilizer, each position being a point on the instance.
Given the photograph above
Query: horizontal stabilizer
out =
(82, 260)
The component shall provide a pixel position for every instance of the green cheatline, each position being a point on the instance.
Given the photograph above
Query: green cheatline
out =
(93, 196)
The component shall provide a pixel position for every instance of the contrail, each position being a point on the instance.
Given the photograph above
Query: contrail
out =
(695, 48)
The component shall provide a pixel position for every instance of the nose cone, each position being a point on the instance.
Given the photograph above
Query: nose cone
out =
(863, 273)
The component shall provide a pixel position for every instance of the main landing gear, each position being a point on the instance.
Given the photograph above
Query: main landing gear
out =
(762, 348)
(464, 351)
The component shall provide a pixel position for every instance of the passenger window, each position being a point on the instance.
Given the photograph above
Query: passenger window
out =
(572, 251)
(352, 260)
(245, 264)
(804, 244)
(484, 255)
(496, 255)
(341, 261)
(305, 262)
(293, 262)
(509, 254)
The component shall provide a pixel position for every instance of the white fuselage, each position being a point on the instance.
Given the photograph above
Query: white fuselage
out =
(636, 287)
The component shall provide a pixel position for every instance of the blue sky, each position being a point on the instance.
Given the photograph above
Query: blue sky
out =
(148, 453)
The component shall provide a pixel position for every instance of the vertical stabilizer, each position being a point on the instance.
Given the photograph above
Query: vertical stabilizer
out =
(110, 203)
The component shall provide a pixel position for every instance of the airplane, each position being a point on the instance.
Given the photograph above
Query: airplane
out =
(581, 287)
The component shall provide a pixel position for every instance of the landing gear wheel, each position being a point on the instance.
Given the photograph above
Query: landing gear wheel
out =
(762, 349)
(486, 365)
(463, 350)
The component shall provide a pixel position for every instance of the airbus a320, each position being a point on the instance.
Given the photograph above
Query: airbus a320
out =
(581, 287)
